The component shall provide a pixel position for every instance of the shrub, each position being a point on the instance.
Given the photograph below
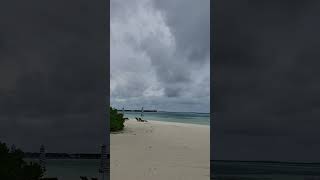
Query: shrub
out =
(116, 120)
(13, 167)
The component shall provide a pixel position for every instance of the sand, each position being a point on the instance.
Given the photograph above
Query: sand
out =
(160, 151)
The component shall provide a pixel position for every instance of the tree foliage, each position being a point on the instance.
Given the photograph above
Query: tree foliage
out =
(116, 120)
(13, 167)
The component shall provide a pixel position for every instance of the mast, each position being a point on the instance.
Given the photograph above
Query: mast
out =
(141, 112)
(13, 148)
(42, 158)
(103, 163)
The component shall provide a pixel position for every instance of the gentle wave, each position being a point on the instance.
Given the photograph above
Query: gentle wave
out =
(180, 117)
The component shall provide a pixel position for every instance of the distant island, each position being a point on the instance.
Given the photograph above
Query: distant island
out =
(36, 155)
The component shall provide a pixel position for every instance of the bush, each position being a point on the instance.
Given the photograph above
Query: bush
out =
(116, 120)
(13, 167)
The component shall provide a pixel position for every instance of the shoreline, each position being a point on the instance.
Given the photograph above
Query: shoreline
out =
(160, 150)
(172, 123)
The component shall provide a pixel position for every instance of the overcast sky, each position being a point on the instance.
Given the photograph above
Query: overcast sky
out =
(53, 74)
(160, 56)
(266, 72)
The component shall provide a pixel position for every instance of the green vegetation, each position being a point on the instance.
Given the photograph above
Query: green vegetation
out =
(116, 120)
(13, 167)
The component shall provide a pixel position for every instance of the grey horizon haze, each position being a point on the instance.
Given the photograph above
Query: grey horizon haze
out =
(160, 55)
(53, 75)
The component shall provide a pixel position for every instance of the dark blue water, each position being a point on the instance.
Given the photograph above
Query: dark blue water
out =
(241, 170)
(180, 117)
(72, 169)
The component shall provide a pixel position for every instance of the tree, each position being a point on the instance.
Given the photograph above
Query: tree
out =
(13, 167)
(116, 120)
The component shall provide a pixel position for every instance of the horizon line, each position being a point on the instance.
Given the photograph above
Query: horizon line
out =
(163, 111)
(269, 161)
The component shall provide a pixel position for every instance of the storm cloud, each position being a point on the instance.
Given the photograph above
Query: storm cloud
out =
(53, 71)
(266, 96)
(160, 55)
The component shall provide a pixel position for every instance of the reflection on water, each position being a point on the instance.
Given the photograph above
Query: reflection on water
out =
(241, 170)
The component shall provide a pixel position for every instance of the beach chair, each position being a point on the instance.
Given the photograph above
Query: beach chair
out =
(141, 120)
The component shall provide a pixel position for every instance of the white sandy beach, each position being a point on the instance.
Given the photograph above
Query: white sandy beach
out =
(160, 151)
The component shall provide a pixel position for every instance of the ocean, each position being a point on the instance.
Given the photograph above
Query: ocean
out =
(71, 169)
(179, 117)
(244, 170)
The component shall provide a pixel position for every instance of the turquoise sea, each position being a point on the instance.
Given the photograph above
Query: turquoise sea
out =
(180, 117)
(72, 169)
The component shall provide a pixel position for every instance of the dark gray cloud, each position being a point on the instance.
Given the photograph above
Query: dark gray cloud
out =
(266, 80)
(160, 54)
(191, 30)
(53, 71)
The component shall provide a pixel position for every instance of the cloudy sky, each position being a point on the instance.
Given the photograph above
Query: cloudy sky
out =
(266, 73)
(160, 54)
(53, 74)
